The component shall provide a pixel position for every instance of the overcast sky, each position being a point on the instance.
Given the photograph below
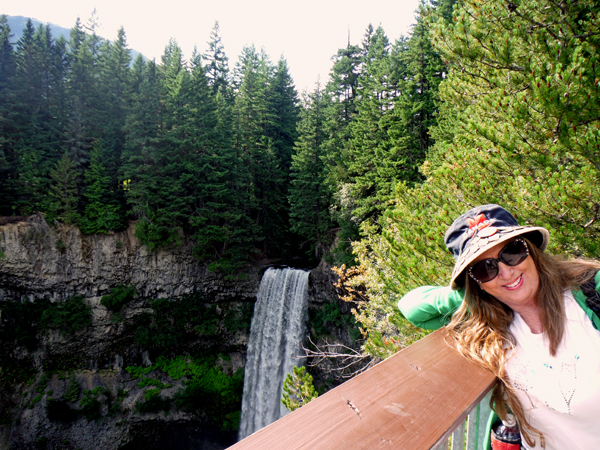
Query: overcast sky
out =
(307, 33)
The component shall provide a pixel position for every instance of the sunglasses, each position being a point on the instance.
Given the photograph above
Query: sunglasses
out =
(512, 254)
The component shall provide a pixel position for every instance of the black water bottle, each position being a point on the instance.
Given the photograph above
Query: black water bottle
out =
(506, 435)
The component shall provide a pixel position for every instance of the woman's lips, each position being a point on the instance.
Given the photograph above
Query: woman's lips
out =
(515, 284)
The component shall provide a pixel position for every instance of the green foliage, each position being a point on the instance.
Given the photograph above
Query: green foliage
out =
(60, 246)
(39, 389)
(102, 214)
(63, 192)
(176, 367)
(310, 195)
(73, 390)
(115, 407)
(153, 402)
(298, 389)
(152, 382)
(69, 316)
(330, 316)
(21, 321)
(174, 322)
(137, 372)
(239, 317)
(90, 405)
(119, 296)
(209, 389)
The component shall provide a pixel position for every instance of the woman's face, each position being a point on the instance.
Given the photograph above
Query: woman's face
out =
(514, 286)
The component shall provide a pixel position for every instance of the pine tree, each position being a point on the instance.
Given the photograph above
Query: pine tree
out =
(310, 196)
(83, 95)
(298, 389)
(143, 126)
(217, 66)
(63, 193)
(116, 90)
(369, 156)
(37, 135)
(101, 213)
(8, 99)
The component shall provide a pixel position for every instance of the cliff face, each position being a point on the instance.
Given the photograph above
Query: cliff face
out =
(41, 261)
(46, 351)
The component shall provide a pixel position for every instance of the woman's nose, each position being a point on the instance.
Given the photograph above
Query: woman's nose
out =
(504, 271)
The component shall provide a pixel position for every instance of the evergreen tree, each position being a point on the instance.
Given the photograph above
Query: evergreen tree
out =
(140, 159)
(63, 193)
(115, 81)
(340, 112)
(371, 165)
(37, 135)
(101, 213)
(222, 232)
(217, 67)
(8, 159)
(419, 71)
(310, 196)
(82, 88)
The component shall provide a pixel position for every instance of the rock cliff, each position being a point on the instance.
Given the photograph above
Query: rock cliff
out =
(41, 261)
(160, 369)
(205, 321)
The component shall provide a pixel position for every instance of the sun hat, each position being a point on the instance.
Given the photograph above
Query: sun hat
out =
(481, 228)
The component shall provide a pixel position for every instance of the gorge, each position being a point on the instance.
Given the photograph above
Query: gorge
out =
(107, 345)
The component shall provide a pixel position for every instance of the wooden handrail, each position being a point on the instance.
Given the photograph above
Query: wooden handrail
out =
(413, 400)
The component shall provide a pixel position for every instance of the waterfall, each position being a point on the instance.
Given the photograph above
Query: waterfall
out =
(276, 333)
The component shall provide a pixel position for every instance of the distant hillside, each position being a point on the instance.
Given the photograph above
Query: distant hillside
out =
(17, 25)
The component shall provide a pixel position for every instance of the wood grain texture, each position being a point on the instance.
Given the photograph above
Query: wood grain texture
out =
(412, 400)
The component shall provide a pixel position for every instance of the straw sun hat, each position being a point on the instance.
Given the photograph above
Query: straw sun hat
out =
(480, 229)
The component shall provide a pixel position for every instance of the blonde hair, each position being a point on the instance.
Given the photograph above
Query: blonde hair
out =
(480, 327)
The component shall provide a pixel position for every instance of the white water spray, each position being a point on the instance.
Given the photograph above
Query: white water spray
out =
(276, 334)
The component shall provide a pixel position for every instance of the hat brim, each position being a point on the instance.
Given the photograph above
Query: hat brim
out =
(477, 245)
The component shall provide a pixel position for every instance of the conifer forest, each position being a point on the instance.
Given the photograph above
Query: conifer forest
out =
(483, 102)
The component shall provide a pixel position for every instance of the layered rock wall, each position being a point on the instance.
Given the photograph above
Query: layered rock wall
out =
(42, 261)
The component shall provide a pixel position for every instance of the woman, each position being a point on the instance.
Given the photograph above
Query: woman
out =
(520, 313)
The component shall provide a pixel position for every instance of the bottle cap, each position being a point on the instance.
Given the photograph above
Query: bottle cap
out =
(510, 420)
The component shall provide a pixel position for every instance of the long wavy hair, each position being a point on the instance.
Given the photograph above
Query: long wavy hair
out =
(480, 327)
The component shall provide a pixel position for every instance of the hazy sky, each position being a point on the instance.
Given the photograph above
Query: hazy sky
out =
(307, 33)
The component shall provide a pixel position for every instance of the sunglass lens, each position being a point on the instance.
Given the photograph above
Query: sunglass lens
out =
(514, 253)
(485, 270)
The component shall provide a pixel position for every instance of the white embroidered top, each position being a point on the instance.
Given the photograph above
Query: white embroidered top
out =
(561, 393)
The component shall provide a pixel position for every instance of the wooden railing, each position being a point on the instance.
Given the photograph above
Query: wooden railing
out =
(413, 400)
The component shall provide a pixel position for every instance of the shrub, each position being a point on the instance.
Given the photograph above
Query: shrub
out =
(73, 390)
(119, 296)
(69, 316)
(153, 402)
(90, 404)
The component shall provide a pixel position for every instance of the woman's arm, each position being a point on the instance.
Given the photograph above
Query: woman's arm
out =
(430, 307)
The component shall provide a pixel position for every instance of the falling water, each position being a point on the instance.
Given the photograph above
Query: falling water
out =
(275, 335)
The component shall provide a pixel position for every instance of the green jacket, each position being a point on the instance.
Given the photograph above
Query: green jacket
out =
(431, 307)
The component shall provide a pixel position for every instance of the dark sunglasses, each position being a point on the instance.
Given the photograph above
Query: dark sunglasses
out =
(512, 254)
